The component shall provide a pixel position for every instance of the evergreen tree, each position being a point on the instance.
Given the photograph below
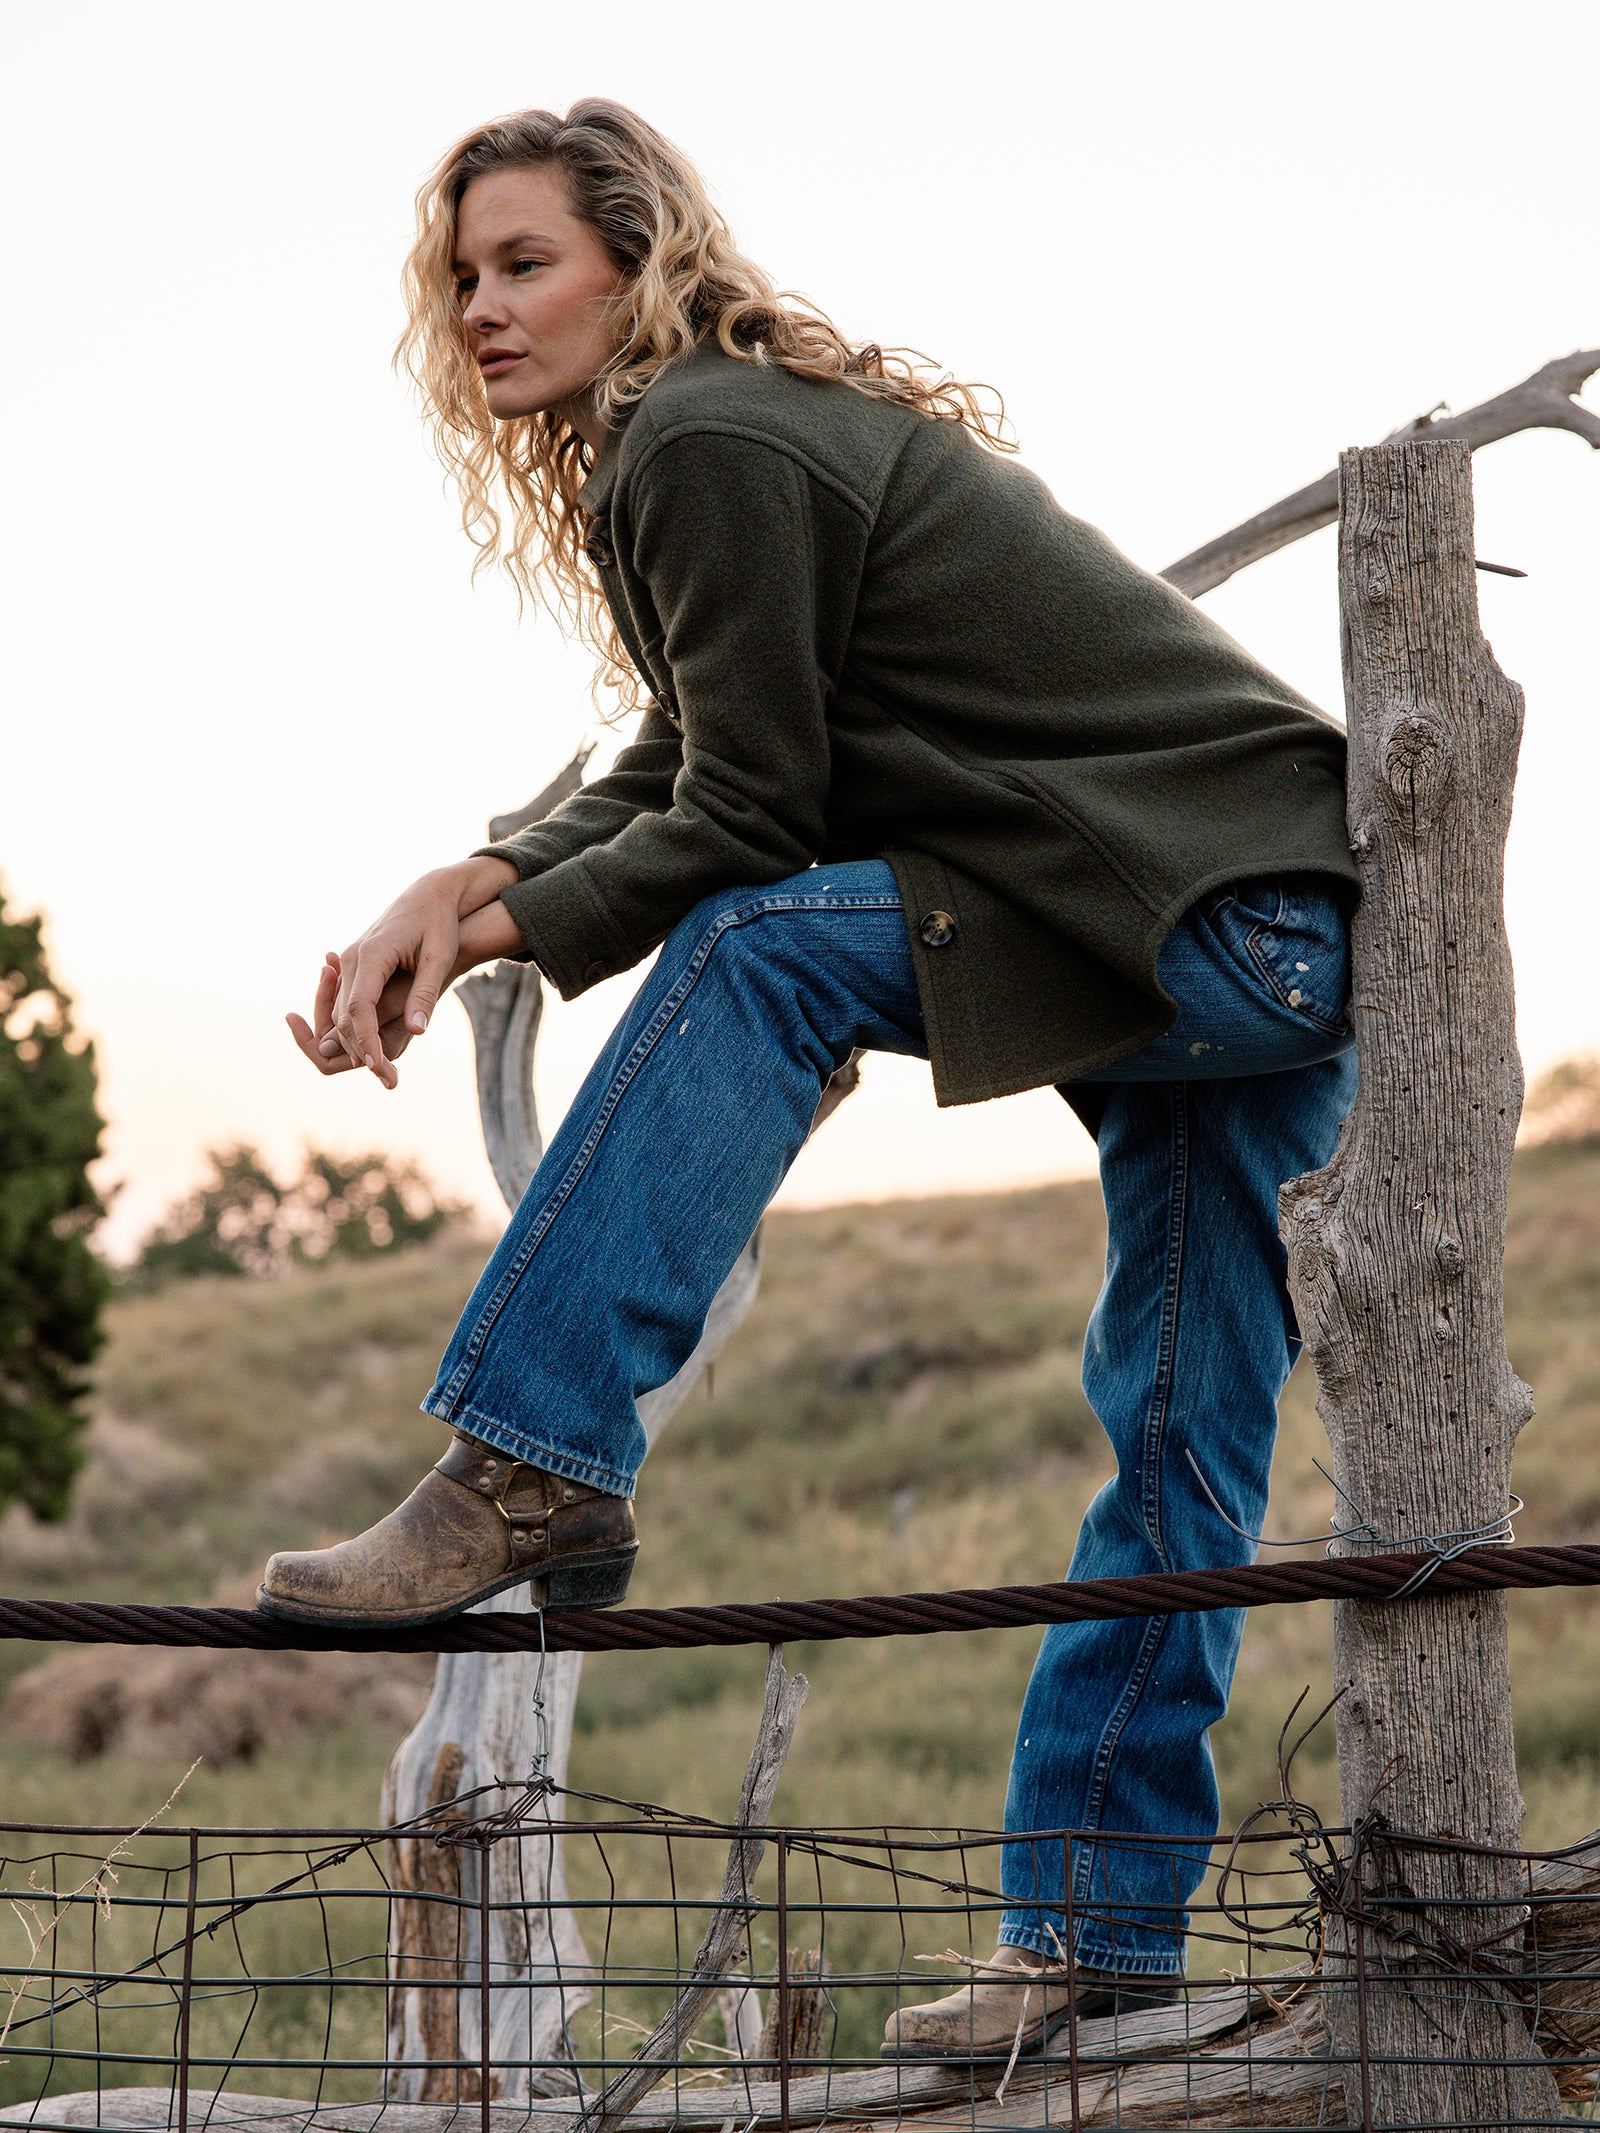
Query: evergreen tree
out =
(51, 1284)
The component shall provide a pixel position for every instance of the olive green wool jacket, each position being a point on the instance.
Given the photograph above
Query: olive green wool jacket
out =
(866, 636)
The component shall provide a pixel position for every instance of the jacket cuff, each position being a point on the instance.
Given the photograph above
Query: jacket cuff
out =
(524, 852)
(567, 928)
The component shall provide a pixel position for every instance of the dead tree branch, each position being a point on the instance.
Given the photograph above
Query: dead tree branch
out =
(1546, 401)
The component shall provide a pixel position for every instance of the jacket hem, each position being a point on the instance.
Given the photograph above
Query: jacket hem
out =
(949, 1090)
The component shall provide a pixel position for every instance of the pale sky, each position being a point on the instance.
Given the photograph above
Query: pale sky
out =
(251, 691)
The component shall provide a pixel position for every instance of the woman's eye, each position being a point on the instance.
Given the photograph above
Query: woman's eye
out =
(524, 267)
(465, 291)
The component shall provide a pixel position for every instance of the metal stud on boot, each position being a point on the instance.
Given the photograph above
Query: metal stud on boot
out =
(475, 1524)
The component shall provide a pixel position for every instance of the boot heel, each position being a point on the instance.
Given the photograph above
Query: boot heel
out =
(602, 1581)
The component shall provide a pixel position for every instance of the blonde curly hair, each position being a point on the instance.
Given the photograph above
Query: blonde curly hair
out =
(518, 480)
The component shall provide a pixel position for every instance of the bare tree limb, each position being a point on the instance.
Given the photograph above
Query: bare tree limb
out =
(482, 1719)
(1546, 401)
(567, 780)
(504, 1006)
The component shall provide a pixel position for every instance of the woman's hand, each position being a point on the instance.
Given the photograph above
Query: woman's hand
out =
(379, 994)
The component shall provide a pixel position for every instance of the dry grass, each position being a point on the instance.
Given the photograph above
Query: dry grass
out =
(900, 1411)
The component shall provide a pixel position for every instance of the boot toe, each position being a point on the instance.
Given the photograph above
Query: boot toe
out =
(947, 2029)
(301, 1575)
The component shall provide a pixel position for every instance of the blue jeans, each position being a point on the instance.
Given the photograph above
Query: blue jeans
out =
(701, 1100)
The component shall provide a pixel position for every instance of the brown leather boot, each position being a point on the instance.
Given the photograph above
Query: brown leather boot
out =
(1015, 2003)
(476, 1523)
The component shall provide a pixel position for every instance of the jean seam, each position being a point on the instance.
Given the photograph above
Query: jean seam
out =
(1106, 1751)
(1167, 1343)
(1154, 1443)
(449, 1396)
(489, 1429)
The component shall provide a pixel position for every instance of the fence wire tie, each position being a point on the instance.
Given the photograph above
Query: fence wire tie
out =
(537, 1787)
(1442, 1547)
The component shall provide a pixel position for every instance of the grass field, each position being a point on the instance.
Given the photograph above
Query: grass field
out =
(901, 1411)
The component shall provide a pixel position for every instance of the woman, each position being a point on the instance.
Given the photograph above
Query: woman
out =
(925, 766)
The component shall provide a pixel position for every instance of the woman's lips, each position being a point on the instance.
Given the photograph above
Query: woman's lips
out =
(494, 360)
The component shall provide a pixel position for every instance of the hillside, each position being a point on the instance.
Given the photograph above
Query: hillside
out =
(900, 1411)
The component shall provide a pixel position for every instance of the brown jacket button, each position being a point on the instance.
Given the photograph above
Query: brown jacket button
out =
(594, 973)
(938, 929)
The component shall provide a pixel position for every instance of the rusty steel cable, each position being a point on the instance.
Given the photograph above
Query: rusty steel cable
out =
(910, 1614)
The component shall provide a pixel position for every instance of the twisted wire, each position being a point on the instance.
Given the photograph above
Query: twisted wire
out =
(910, 1614)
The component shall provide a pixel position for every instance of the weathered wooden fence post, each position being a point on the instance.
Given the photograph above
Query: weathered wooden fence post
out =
(1395, 1255)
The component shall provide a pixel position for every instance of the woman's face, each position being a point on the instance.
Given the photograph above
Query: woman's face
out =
(535, 285)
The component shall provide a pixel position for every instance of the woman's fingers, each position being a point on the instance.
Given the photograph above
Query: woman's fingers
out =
(418, 935)
(316, 1038)
(356, 1011)
(392, 1035)
(435, 964)
(327, 992)
(312, 1045)
(390, 1011)
(322, 1003)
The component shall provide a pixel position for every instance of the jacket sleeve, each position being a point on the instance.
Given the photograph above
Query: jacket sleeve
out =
(725, 533)
(639, 782)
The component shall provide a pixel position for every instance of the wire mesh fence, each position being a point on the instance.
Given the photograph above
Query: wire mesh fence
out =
(210, 1978)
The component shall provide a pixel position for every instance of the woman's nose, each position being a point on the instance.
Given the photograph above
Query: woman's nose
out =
(483, 314)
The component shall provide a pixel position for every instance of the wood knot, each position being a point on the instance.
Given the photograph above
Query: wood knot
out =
(1313, 1260)
(1304, 1201)
(1415, 760)
(1452, 1259)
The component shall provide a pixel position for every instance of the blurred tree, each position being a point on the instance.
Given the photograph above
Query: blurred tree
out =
(51, 1284)
(243, 1220)
(1564, 1103)
(232, 1225)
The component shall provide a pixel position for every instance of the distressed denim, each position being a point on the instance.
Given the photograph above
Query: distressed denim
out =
(683, 1131)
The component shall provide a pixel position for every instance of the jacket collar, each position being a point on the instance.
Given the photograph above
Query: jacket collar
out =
(595, 495)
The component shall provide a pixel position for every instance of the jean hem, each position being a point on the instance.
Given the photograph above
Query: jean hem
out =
(1092, 1958)
(532, 1451)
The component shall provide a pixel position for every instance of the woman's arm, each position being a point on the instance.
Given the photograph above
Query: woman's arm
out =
(640, 782)
(372, 1000)
(751, 567)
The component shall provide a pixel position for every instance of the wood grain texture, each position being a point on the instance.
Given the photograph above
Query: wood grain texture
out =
(727, 1932)
(1395, 1256)
(483, 1726)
